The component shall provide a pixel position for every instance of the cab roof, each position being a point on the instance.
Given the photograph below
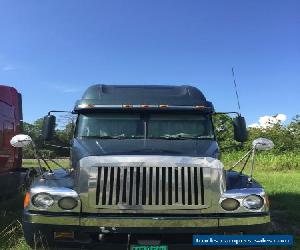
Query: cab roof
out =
(102, 95)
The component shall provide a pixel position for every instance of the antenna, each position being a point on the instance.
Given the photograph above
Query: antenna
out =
(236, 92)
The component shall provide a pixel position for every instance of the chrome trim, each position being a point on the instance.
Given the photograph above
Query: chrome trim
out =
(56, 193)
(240, 195)
(223, 222)
(193, 187)
(151, 222)
(153, 185)
(209, 182)
(122, 222)
(51, 219)
(141, 187)
(134, 195)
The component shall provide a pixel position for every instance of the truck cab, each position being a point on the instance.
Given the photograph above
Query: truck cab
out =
(145, 172)
(10, 125)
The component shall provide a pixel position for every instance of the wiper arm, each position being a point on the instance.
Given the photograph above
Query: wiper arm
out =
(113, 137)
(180, 137)
(170, 137)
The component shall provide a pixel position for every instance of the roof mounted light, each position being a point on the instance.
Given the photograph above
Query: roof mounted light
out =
(163, 105)
(84, 106)
(127, 105)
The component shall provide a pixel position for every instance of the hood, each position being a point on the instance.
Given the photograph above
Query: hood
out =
(100, 147)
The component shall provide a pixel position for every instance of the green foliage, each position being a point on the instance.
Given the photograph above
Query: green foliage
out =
(34, 131)
(224, 132)
(285, 138)
(60, 141)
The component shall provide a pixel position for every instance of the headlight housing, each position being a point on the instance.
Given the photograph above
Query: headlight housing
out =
(253, 202)
(67, 203)
(230, 204)
(42, 200)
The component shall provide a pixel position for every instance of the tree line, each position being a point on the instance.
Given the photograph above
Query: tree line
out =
(285, 137)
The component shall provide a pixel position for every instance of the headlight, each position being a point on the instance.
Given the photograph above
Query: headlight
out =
(42, 200)
(253, 202)
(230, 204)
(67, 203)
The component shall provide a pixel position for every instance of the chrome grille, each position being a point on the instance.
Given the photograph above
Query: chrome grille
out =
(150, 187)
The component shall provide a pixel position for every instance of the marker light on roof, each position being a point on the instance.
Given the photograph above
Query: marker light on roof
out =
(163, 105)
(127, 105)
(84, 106)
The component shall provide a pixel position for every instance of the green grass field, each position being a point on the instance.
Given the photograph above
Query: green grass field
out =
(280, 176)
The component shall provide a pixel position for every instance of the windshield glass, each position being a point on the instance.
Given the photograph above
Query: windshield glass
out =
(155, 126)
(180, 126)
(110, 125)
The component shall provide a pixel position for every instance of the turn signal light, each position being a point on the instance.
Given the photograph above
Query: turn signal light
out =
(63, 235)
(268, 202)
(27, 200)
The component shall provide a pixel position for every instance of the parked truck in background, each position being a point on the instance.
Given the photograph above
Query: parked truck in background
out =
(145, 174)
(11, 172)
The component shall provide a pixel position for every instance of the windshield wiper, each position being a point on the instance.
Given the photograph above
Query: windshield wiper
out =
(119, 137)
(181, 137)
(167, 137)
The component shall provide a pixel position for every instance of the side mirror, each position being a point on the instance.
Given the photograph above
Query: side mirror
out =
(48, 127)
(240, 129)
(262, 144)
(20, 141)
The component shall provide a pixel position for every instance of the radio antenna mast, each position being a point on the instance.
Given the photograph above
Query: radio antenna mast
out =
(236, 92)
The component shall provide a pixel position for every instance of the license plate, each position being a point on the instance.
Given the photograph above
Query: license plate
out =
(138, 247)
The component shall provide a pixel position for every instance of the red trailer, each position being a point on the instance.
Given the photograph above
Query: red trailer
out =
(10, 124)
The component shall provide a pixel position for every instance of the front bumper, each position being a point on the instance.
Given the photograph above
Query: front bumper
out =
(136, 221)
(120, 230)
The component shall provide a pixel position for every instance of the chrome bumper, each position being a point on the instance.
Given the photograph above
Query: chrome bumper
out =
(149, 222)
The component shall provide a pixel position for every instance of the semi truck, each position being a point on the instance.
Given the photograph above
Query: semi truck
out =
(11, 172)
(145, 173)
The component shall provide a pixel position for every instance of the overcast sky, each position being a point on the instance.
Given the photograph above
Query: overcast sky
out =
(52, 50)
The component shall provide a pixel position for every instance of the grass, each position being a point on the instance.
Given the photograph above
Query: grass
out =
(266, 161)
(280, 176)
(281, 183)
(11, 235)
(27, 163)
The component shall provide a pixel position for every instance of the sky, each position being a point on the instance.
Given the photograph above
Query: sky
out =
(52, 50)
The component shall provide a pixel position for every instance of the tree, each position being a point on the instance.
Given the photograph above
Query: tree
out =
(60, 141)
(223, 124)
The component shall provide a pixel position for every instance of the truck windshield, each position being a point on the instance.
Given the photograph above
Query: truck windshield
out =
(110, 126)
(152, 126)
(180, 126)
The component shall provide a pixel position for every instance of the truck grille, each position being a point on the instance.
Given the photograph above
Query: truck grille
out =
(150, 187)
